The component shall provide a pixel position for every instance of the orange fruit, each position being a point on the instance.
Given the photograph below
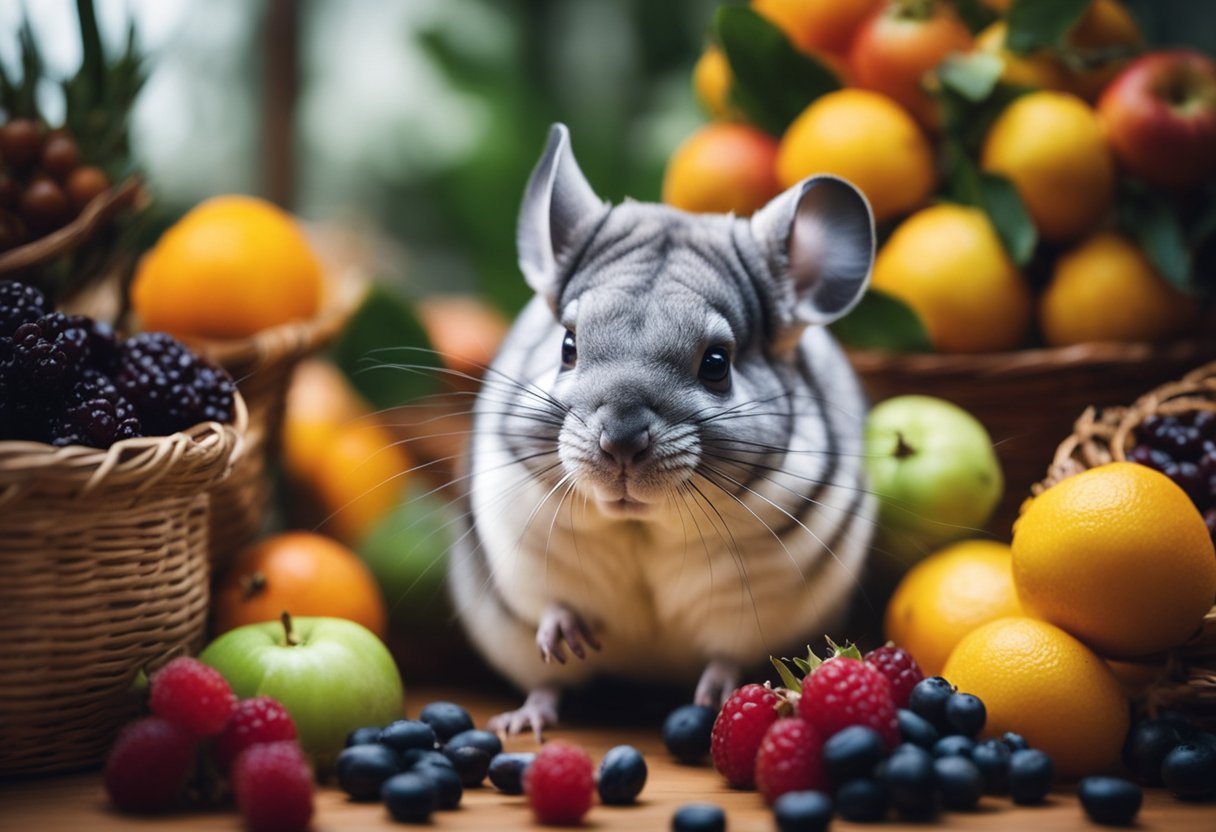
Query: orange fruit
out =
(464, 330)
(722, 168)
(947, 263)
(947, 595)
(232, 266)
(1106, 27)
(1038, 681)
(1138, 678)
(1052, 146)
(359, 478)
(866, 138)
(1040, 70)
(302, 573)
(711, 80)
(319, 402)
(817, 25)
(1118, 556)
(1105, 289)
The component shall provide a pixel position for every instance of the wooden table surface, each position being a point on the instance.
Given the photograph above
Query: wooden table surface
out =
(77, 803)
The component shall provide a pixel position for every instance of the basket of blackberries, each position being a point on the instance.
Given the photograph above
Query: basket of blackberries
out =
(1171, 429)
(109, 450)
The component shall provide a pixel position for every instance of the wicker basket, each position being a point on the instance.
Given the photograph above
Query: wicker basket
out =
(1028, 399)
(1188, 682)
(103, 573)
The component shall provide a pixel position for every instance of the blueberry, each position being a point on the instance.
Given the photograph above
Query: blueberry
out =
(915, 729)
(507, 771)
(955, 745)
(852, 752)
(966, 714)
(862, 801)
(448, 789)
(622, 775)
(959, 781)
(910, 782)
(928, 700)
(1189, 770)
(686, 732)
(447, 719)
(409, 798)
(699, 817)
(470, 763)
(991, 757)
(362, 769)
(405, 734)
(1110, 800)
(1145, 748)
(1031, 773)
(1016, 742)
(363, 736)
(415, 757)
(485, 740)
(802, 812)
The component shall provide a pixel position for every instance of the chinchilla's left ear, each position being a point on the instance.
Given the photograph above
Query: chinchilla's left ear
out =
(818, 238)
(558, 205)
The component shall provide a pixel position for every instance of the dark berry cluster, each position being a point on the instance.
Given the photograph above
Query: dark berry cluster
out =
(69, 380)
(1183, 447)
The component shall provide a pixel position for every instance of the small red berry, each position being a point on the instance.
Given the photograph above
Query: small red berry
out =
(560, 784)
(844, 691)
(738, 731)
(899, 667)
(257, 720)
(148, 766)
(272, 784)
(790, 759)
(193, 695)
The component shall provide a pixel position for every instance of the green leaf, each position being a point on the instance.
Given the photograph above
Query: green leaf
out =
(881, 322)
(787, 677)
(385, 352)
(1004, 206)
(1154, 222)
(802, 664)
(975, 14)
(972, 76)
(773, 81)
(1034, 24)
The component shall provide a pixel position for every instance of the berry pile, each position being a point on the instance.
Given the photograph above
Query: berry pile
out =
(1183, 447)
(252, 741)
(43, 185)
(69, 380)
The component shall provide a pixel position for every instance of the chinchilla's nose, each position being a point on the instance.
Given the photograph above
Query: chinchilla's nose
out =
(625, 436)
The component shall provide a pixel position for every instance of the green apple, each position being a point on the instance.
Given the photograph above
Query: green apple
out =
(934, 470)
(332, 676)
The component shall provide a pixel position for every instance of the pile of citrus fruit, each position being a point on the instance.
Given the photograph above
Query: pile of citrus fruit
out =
(1023, 159)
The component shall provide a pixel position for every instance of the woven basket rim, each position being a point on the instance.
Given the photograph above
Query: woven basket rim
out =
(196, 457)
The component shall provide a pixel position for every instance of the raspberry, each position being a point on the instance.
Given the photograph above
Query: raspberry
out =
(19, 304)
(738, 731)
(94, 414)
(790, 759)
(900, 668)
(843, 692)
(560, 784)
(172, 388)
(192, 695)
(148, 766)
(253, 721)
(272, 783)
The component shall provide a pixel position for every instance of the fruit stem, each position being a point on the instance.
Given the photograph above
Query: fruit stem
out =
(290, 636)
(902, 449)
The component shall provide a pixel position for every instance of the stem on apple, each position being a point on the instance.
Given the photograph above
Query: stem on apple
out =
(902, 449)
(290, 636)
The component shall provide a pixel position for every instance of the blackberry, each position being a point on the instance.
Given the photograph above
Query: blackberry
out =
(93, 414)
(43, 357)
(172, 388)
(19, 304)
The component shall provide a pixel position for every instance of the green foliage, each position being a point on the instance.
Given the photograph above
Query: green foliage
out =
(882, 322)
(1035, 24)
(975, 14)
(1175, 232)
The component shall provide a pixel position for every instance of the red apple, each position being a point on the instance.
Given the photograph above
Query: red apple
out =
(1160, 118)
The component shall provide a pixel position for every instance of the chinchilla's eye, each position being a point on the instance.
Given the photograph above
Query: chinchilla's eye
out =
(569, 350)
(715, 366)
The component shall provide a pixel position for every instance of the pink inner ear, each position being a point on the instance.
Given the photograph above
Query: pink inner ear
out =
(807, 251)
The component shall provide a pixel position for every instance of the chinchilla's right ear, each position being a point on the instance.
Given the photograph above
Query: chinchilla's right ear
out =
(558, 205)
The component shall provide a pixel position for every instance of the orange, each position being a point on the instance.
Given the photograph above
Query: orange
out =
(301, 573)
(464, 330)
(319, 401)
(360, 476)
(817, 25)
(1106, 28)
(946, 596)
(947, 263)
(1053, 148)
(722, 168)
(1118, 556)
(1038, 681)
(1105, 289)
(1040, 71)
(711, 80)
(1138, 678)
(232, 266)
(866, 138)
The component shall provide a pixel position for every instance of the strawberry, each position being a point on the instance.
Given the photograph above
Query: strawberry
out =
(790, 759)
(845, 691)
(738, 731)
(899, 667)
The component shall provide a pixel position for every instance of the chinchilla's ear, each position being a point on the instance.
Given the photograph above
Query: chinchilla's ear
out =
(558, 205)
(818, 238)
